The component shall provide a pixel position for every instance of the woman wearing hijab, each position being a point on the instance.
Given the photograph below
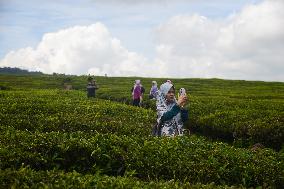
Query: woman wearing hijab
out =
(171, 114)
(137, 92)
(154, 90)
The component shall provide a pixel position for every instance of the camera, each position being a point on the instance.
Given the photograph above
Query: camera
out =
(182, 91)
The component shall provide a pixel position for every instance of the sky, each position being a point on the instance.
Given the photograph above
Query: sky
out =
(228, 39)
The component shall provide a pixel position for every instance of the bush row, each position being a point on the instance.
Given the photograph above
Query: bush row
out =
(187, 159)
(247, 121)
(241, 120)
(26, 177)
(55, 110)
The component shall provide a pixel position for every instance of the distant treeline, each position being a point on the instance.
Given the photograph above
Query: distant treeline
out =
(9, 70)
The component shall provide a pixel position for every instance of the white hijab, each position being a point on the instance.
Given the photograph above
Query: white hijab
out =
(162, 105)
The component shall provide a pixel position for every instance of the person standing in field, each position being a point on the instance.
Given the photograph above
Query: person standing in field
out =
(171, 113)
(154, 90)
(91, 87)
(137, 93)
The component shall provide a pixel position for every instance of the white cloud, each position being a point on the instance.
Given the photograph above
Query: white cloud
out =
(246, 45)
(78, 50)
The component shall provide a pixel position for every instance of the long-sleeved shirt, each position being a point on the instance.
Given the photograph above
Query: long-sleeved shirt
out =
(173, 112)
(170, 118)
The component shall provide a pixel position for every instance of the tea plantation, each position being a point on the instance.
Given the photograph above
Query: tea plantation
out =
(56, 138)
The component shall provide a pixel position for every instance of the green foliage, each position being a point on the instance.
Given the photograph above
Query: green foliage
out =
(246, 112)
(187, 159)
(55, 110)
(64, 136)
(240, 120)
(28, 178)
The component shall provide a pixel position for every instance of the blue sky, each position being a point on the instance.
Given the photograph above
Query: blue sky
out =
(23, 23)
(204, 38)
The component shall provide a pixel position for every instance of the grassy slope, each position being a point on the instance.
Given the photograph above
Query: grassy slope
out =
(246, 112)
(55, 129)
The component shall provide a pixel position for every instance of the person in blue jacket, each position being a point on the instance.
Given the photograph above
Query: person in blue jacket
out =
(171, 113)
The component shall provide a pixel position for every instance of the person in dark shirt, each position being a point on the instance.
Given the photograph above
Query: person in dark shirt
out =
(91, 88)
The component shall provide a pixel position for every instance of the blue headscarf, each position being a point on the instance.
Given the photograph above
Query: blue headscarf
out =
(164, 88)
